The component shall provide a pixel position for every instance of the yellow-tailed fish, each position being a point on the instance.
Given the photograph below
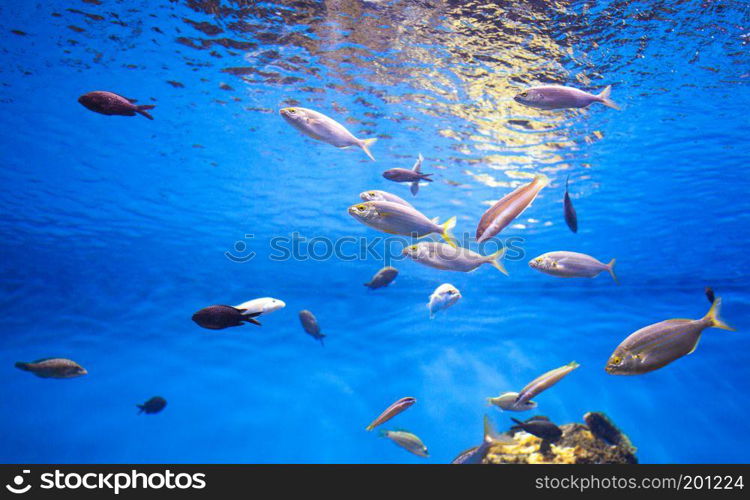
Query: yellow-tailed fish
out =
(507, 401)
(657, 345)
(450, 258)
(394, 218)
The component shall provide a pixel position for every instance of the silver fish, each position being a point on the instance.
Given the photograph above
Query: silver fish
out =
(507, 401)
(442, 298)
(477, 454)
(413, 176)
(503, 212)
(408, 441)
(571, 265)
(390, 412)
(376, 195)
(53, 368)
(263, 305)
(571, 219)
(394, 218)
(657, 345)
(561, 97)
(323, 128)
(382, 278)
(449, 258)
(310, 324)
(544, 382)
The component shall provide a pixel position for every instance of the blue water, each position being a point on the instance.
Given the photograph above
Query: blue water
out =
(115, 229)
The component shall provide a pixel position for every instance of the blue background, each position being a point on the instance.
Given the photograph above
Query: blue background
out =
(114, 229)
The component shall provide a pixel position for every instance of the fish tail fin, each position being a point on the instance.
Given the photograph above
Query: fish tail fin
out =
(611, 269)
(491, 435)
(141, 408)
(495, 260)
(517, 421)
(322, 344)
(414, 188)
(604, 98)
(369, 427)
(447, 234)
(252, 320)
(22, 366)
(574, 364)
(365, 145)
(142, 110)
(713, 316)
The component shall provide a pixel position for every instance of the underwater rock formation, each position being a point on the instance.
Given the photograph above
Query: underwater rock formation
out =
(597, 442)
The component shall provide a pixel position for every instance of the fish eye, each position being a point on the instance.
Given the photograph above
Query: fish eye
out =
(523, 94)
(291, 110)
(360, 208)
(616, 360)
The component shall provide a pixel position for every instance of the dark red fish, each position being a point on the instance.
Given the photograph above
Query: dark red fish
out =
(109, 103)
(571, 219)
(220, 317)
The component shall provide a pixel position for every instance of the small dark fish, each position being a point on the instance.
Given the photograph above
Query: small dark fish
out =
(571, 219)
(413, 176)
(710, 294)
(477, 454)
(153, 405)
(53, 368)
(603, 428)
(382, 278)
(108, 103)
(310, 324)
(220, 317)
(390, 412)
(543, 429)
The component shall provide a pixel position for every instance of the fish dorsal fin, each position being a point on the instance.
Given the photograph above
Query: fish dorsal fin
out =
(418, 164)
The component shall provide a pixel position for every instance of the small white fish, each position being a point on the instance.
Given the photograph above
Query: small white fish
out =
(507, 401)
(322, 128)
(263, 305)
(571, 265)
(561, 97)
(442, 298)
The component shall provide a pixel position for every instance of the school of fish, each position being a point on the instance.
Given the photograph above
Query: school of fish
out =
(651, 348)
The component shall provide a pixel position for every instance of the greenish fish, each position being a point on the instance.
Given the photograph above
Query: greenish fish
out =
(544, 382)
(394, 218)
(449, 258)
(507, 401)
(657, 345)
(407, 440)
